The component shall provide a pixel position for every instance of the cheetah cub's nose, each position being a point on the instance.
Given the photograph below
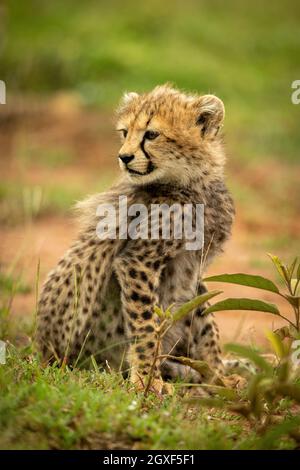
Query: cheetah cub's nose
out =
(126, 158)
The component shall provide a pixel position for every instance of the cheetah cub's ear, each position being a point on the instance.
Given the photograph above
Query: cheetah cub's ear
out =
(210, 115)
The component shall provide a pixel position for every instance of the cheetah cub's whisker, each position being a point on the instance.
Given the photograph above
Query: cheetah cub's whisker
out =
(171, 154)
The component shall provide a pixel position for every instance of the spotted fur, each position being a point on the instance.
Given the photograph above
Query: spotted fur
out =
(100, 298)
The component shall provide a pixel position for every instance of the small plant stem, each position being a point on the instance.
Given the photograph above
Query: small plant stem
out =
(286, 319)
(37, 281)
(296, 287)
(296, 309)
(82, 348)
(156, 354)
(163, 329)
(297, 315)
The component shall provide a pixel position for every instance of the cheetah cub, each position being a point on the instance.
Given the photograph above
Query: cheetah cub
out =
(100, 298)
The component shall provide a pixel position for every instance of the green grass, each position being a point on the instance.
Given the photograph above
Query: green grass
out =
(47, 407)
(20, 202)
(51, 408)
(44, 156)
(247, 53)
(12, 284)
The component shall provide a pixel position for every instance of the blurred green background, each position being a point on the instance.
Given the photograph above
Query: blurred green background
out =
(248, 53)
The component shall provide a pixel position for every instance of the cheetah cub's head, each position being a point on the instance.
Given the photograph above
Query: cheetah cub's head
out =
(169, 136)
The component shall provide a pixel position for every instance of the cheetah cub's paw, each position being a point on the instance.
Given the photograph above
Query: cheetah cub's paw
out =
(167, 388)
(157, 386)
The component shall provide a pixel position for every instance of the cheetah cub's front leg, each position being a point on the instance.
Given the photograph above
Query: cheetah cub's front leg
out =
(138, 270)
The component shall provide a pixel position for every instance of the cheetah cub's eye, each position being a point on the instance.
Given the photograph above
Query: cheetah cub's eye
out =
(124, 132)
(151, 135)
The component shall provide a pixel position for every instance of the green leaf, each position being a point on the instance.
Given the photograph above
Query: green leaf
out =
(245, 280)
(292, 267)
(158, 311)
(295, 285)
(276, 344)
(168, 312)
(286, 273)
(194, 303)
(254, 394)
(280, 267)
(298, 272)
(242, 304)
(283, 370)
(249, 353)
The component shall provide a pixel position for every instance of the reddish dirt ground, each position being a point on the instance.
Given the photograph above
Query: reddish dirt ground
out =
(89, 135)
